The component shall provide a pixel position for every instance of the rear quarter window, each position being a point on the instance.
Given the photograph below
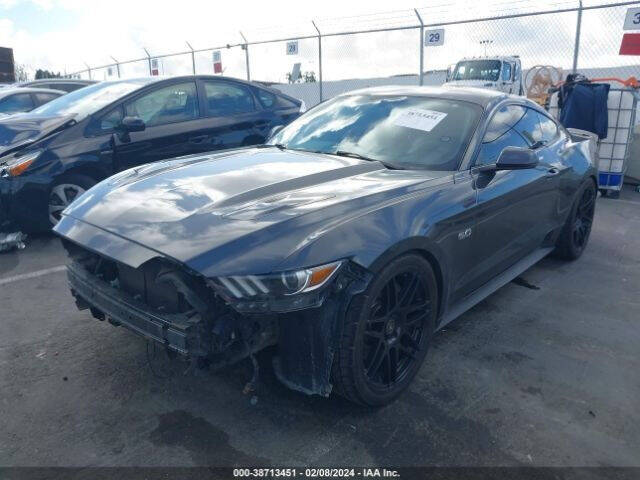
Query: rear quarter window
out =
(284, 102)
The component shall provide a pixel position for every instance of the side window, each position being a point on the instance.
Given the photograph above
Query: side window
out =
(529, 127)
(549, 128)
(504, 119)
(516, 72)
(227, 99)
(68, 87)
(20, 102)
(174, 103)
(501, 133)
(506, 72)
(111, 119)
(42, 98)
(267, 99)
(284, 102)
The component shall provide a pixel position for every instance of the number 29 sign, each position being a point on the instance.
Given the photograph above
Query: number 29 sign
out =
(434, 38)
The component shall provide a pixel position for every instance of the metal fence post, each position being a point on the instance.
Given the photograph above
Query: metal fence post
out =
(319, 59)
(148, 59)
(117, 66)
(246, 55)
(421, 73)
(88, 69)
(193, 58)
(576, 48)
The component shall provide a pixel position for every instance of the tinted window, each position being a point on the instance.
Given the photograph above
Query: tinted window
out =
(506, 72)
(67, 87)
(504, 119)
(20, 102)
(286, 103)
(89, 100)
(111, 119)
(408, 132)
(548, 127)
(489, 152)
(227, 99)
(502, 132)
(529, 126)
(267, 99)
(477, 70)
(174, 103)
(42, 98)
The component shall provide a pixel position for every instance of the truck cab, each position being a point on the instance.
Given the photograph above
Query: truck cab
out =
(497, 73)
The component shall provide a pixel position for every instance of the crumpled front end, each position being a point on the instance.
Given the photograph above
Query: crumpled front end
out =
(184, 312)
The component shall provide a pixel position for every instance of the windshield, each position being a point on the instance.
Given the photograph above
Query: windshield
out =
(401, 131)
(477, 70)
(88, 100)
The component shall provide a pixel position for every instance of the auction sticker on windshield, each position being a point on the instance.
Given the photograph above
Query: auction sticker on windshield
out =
(419, 119)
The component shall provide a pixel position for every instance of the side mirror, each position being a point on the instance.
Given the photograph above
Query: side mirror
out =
(516, 158)
(132, 124)
(275, 130)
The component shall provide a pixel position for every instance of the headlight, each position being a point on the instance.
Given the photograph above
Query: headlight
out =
(278, 291)
(17, 165)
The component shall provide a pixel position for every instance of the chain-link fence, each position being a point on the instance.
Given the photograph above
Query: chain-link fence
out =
(329, 56)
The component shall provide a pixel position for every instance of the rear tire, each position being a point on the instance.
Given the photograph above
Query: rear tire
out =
(575, 234)
(64, 191)
(386, 331)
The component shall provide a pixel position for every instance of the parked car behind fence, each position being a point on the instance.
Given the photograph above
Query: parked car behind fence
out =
(20, 100)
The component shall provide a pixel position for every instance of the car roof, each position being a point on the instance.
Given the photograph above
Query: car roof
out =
(8, 91)
(58, 80)
(480, 96)
(157, 79)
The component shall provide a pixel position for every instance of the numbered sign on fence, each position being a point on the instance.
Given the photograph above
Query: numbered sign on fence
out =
(292, 48)
(434, 38)
(632, 19)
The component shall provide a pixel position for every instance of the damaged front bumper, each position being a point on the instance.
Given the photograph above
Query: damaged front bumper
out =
(107, 302)
(206, 327)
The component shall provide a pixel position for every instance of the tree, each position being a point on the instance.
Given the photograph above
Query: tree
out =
(307, 77)
(46, 74)
(21, 73)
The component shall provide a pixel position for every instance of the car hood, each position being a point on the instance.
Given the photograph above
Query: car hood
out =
(18, 131)
(223, 213)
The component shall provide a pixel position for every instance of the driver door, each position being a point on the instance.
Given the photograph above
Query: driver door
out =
(515, 208)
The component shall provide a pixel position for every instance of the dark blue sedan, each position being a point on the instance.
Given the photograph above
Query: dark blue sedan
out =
(53, 154)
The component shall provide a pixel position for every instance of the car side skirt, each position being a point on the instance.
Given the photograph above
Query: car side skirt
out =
(493, 285)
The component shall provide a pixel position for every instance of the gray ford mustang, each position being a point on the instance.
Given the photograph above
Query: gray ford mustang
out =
(346, 241)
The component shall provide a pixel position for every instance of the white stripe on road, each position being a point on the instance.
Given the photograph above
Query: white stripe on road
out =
(37, 273)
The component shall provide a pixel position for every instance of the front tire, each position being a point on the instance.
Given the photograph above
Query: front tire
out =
(386, 332)
(575, 234)
(64, 191)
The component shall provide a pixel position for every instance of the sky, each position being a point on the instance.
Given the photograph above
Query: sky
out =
(63, 35)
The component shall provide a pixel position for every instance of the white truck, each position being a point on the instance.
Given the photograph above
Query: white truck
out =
(497, 73)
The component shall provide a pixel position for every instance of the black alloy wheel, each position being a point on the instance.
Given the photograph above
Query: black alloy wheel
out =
(386, 332)
(574, 236)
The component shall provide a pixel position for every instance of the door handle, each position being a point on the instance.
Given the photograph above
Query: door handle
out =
(552, 172)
